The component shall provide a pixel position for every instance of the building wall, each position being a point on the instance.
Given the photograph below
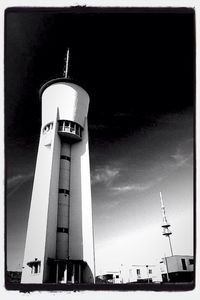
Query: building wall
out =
(174, 264)
(138, 273)
(81, 233)
(189, 267)
(51, 231)
(41, 207)
(71, 99)
(117, 277)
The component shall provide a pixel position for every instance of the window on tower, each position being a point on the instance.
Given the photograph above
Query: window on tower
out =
(65, 157)
(64, 191)
(35, 266)
(62, 229)
(78, 130)
(47, 128)
(71, 127)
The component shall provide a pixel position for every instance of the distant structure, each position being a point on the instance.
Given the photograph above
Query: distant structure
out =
(144, 274)
(109, 277)
(174, 268)
(141, 274)
(59, 243)
(132, 274)
(165, 225)
(177, 268)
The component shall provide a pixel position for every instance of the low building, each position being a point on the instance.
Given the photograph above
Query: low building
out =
(141, 274)
(177, 268)
(109, 277)
(132, 274)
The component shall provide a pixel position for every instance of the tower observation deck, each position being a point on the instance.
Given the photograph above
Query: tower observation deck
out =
(59, 244)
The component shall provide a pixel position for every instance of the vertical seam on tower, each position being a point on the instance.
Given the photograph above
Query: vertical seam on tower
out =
(69, 200)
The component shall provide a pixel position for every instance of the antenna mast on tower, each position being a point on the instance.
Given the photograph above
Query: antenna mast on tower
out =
(165, 225)
(66, 71)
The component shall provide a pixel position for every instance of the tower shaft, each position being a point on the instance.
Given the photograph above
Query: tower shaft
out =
(62, 243)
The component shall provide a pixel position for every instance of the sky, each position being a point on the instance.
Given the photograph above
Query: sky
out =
(138, 67)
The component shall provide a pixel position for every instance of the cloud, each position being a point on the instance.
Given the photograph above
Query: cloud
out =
(159, 169)
(15, 182)
(110, 205)
(132, 187)
(104, 175)
(124, 114)
(183, 153)
(180, 159)
(97, 127)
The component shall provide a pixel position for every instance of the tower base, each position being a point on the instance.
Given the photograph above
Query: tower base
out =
(66, 271)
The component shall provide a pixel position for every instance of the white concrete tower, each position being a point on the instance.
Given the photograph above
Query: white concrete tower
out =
(59, 244)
